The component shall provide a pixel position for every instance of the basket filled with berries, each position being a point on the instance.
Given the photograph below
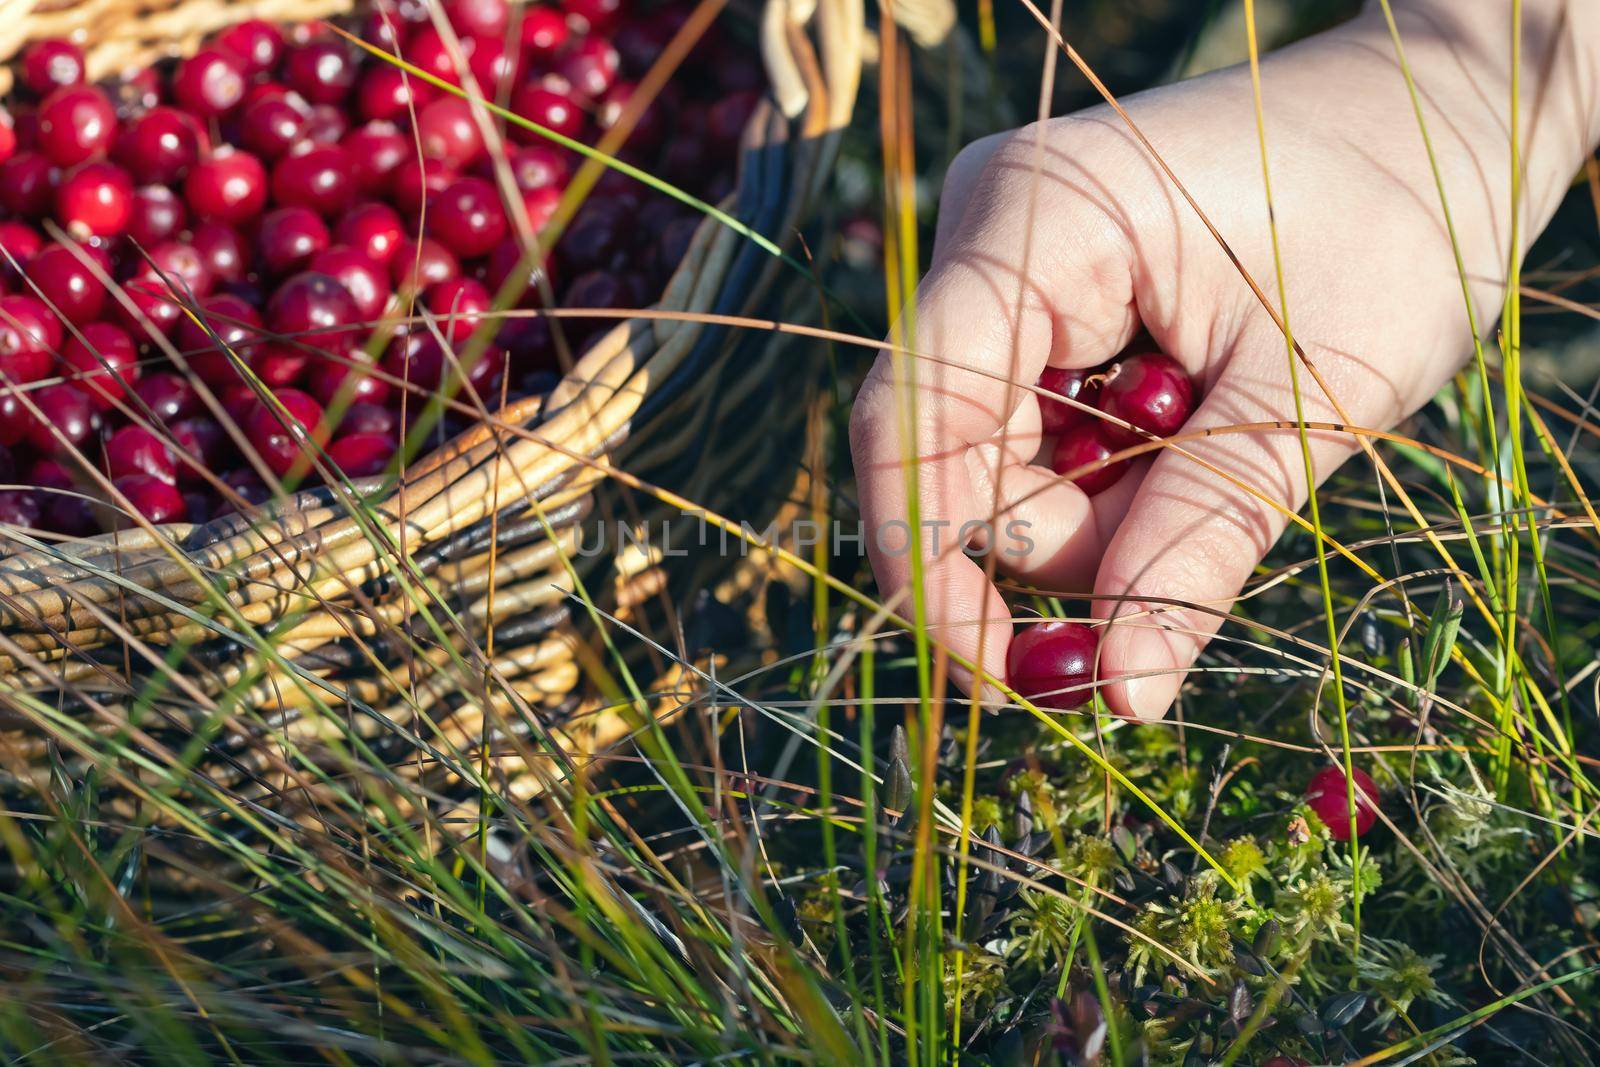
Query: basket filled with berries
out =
(321, 327)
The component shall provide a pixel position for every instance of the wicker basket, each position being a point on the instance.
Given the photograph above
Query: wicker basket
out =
(486, 524)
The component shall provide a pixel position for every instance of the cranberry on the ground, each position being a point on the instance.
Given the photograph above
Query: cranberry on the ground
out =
(1328, 794)
(1052, 664)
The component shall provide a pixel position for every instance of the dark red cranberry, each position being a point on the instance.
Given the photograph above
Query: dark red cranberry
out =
(365, 281)
(591, 66)
(728, 117)
(281, 365)
(594, 290)
(229, 186)
(362, 455)
(323, 72)
(15, 418)
(289, 237)
(595, 16)
(244, 488)
(373, 229)
(229, 320)
(168, 396)
(76, 124)
(155, 306)
(736, 68)
(156, 215)
(418, 181)
(369, 418)
(1150, 391)
(648, 129)
(427, 50)
(376, 151)
(530, 346)
(1056, 416)
(224, 250)
(63, 411)
(320, 177)
(257, 43)
(51, 64)
(8, 135)
(640, 42)
(418, 264)
(104, 360)
(271, 125)
(387, 92)
(544, 31)
(553, 110)
(538, 166)
(19, 243)
(423, 363)
(1052, 664)
(347, 380)
(467, 218)
(28, 184)
(209, 83)
(68, 283)
(448, 132)
(595, 237)
(314, 309)
(1328, 794)
(158, 501)
(21, 507)
(137, 450)
(202, 440)
(508, 260)
(460, 305)
(283, 437)
(161, 145)
(480, 18)
(674, 245)
(238, 401)
(1087, 446)
(95, 200)
(28, 334)
(178, 268)
(328, 124)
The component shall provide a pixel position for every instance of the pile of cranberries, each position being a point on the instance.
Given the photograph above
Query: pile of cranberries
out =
(339, 226)
(1147, 390)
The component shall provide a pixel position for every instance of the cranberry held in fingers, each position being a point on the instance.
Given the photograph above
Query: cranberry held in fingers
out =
(1082, 451)
(161, 145)
(1328, 795)
(209, 83)
(156, 500)
(229, 186)
(1052, 664)
(76, 124)
(51, 64)
(1055, 416)
(1149, 391)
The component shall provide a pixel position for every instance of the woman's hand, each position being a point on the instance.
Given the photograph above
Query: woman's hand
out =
(1059, 242)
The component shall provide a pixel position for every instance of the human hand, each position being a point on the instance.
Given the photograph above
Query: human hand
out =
(1059, 242)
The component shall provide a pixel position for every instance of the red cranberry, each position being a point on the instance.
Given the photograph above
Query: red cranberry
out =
(158, 501)
(447, 132)
(320, 177)
(209, 83)
(237, 327)
(328, 124)
(417, 265)
(28, 334)
(1329, 797)
(203, 441)
(365, 281)
(373, 229)
(347, 381)
(369, 418)
(63, 410)
(67, 282)
(8, 135)
(271, 125)
(51, 64)
(545, 107)
(591, 66)
(1149, 391)
(594, 15)
(177, 268)
(137, 450)
(467, 218)
(105, 361)
(494, 67)
(161, 145)
(289, 238)
(1052, 664)
(168, 396)
(19, 242)
(323, 72)
(427, 50)
(27, 184)
(229, 187)
(459, 305)
(224, 251)
(282, 437)
(387, 92)
(480, 18)
(376, 152)
(544, 31)
(537, 166)
(1056, 416)
(280, 365)
(96, 200)
(314, 309)
(418, 181)
(540, 206)
(362, 455)
(156, 215)
(257, 43)
(76, 124)
(1081, 446)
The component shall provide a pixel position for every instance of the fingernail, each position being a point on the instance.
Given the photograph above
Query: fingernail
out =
(1153, 663)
